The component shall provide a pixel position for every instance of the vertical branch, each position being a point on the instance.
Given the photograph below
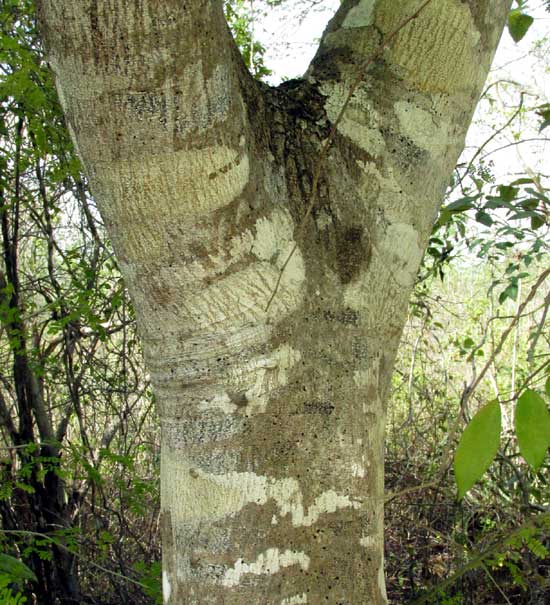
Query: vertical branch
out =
(515, 344)
(252, 21)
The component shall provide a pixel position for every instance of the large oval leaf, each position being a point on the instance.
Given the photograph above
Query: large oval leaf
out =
(478, 447)
(532, 428)
(15, 569)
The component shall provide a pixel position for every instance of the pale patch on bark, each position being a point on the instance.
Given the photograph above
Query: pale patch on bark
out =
(179, 185)
(268, 563)
(272, 233)
(267, 374)
(295, 600)
(323, 220)
(360, 15)
(166, 588)
(192, 495)
(328, 502)
(274, 241)
(382, 580)
(368, 541)
(360, 123)
(87, 86)
(243, 295)
(221, 402)
(357, 470)
(444, 41)
(421, 127)
(361, 377)
(402, 252)
(255, 381)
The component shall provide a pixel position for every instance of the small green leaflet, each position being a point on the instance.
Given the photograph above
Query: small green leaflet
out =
(464, 203)
(15, 568)
(532, 428)
(507, 192)
(544, 112)
(478, 447)
(484, 218)
(518, 24)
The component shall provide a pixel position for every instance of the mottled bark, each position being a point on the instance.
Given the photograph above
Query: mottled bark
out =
(272, 422)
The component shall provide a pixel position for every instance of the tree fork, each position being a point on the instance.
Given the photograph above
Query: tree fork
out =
(272, 420)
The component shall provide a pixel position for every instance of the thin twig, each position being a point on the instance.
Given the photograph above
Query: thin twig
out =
(36, 534)
(534, 523)
(486, 569)
(409, 490)
(491, 138)
(469, 390)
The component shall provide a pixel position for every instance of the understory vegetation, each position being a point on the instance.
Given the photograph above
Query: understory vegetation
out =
(79, 438)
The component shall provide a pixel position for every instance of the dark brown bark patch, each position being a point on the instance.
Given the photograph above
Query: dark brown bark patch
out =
(352, 252)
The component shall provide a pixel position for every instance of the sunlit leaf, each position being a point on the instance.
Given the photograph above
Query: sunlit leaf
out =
(537, 221)
(510, 292)
(484, 218)
(460, 205)
(519, 24)
(507, 192)
(522, 181)
(478, 447)
(532, 428)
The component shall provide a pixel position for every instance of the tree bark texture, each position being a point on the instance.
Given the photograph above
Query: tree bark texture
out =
(272, 421)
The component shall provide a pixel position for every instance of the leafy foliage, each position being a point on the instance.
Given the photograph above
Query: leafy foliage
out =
(241, 21)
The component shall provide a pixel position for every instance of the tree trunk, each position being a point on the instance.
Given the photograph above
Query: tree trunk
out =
(272, 420)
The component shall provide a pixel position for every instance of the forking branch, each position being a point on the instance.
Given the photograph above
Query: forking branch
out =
(384, 45)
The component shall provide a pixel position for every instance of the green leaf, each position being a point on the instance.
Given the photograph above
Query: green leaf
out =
(15, 568)
(518, 24)
(544, 112)
(496, 202)
(532, 428)
(484, 218)
(460, 205)
(478, 447)
(510, 292)
(529, 204)
(538, 194)
(547, 387)
(507, 192)
(522, 181)
(537, 221)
